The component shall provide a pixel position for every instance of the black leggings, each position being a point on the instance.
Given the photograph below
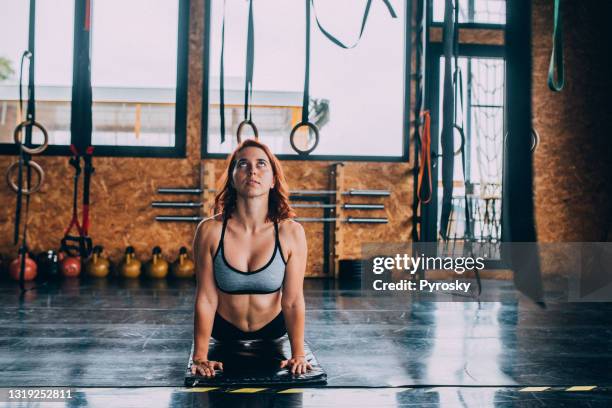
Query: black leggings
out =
(225, 331)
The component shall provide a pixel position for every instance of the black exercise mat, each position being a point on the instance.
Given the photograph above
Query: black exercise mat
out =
(255, 362)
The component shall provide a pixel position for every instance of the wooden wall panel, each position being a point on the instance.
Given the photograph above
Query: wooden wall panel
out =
(573, 187)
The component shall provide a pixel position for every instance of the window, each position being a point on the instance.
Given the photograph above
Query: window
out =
(474, 11)
(134, 71)
(13, 25)
(138, 74)
(52, 68)
(358, 96)
(482, 116)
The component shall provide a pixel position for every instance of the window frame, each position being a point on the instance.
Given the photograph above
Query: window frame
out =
(180, 121)
(404, 157)
(472, 26)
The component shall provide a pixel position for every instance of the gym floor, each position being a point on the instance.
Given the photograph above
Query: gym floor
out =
(122, 343)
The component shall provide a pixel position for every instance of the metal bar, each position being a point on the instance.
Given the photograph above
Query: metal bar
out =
(370, 193)
(315, 219)
(178, 218)
(351, 220)
(176, 204)
(344, 206)
(313, 205)
(312, 192)
(351, 192)
(179, 190)
(363, 206)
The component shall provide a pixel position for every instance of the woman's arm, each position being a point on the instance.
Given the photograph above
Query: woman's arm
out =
(292, 301)
(206, 294)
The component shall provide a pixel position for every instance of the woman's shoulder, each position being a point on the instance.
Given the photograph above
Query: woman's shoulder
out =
(209, 229)
(291, 230)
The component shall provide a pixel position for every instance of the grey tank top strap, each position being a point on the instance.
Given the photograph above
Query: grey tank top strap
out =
(267, 279)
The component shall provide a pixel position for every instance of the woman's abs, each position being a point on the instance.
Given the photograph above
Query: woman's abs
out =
(249, 312)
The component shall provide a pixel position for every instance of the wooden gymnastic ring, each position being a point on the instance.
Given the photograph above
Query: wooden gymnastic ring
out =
(15, 187)
(242, 125)
(462, 134)
(536, 140)
(314, 146)
(534, 135)
(31, 150)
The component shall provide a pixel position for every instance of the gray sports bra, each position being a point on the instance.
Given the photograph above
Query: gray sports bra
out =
(267, 279)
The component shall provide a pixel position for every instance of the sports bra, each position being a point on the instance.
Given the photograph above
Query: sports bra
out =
(267, 279)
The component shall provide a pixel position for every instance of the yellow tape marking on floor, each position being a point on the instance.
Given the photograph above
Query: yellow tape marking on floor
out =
(581, 388)
(248, 390)
(533, 389)
(292, 391)
(203, 389)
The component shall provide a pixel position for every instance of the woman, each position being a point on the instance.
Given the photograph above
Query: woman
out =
(243, 292)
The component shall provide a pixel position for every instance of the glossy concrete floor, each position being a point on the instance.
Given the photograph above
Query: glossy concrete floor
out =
(127, 344)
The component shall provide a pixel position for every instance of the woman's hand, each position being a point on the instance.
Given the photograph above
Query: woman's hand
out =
(297, 365)
(205, 368)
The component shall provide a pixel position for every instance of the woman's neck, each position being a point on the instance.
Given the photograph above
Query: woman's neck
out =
(251, 213)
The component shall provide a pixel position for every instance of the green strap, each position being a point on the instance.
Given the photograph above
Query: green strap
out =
(364, 20)
(556, 58)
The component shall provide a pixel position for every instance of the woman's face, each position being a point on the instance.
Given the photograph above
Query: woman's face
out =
(252, 175)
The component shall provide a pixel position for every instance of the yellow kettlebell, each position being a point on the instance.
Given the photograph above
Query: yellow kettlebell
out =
(183, 267)
(97, 266)
(157, 268)
(130, 267)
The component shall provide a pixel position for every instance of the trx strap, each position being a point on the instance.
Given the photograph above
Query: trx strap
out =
(421, 150)
(339, 43)
(80, 245)
(23, 156)
(25, 151)
(221, 79)
(556, 57)
(458, 90)
(306, 98)
(248, 83)
(448, 112)
(81, 130)
(81, 123)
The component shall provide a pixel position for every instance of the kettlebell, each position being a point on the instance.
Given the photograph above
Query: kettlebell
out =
(48, 264)
(157, 268)
(30, 270)
(70, 266)
(130, 267)
(97, 266)
(183, 267)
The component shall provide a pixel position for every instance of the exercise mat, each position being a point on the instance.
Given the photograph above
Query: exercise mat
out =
(249, 362)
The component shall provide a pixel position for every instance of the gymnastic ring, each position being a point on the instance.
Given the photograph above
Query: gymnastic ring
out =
(534, 135)
(462, 134)
(314, 128)
(242, 125)
(36, 150)
(15, 187)
(536, 140)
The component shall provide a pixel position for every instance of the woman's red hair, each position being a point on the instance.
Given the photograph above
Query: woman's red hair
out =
(278, 201)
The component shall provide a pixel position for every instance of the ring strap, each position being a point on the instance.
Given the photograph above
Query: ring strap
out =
(339, 43)
(222, 79)
(250, 61)
(306, 99)
(556, 57)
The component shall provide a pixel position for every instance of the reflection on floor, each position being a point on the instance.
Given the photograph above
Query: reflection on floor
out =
(128, 342)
